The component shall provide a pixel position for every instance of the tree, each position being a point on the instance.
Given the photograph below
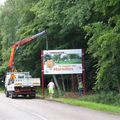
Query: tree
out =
(103, 45)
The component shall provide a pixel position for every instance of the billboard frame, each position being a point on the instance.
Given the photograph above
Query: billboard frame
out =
(83, 72)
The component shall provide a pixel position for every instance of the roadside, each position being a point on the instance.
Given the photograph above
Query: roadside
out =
(39, 109)
(78, 102)
(88, 104)
(91, 105)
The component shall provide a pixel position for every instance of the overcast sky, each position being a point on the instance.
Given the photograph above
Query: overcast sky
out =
(2, 2)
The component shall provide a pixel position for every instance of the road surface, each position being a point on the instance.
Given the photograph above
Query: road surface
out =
(37, 109)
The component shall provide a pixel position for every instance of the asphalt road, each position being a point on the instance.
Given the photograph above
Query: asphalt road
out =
(37, 109)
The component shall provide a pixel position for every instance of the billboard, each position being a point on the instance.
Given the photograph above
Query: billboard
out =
(62, 61)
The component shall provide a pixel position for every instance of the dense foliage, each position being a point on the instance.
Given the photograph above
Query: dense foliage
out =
(111, 97)
(90, 24)
(104, 44)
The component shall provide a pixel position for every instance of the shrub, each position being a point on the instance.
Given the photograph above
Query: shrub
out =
(110, 97)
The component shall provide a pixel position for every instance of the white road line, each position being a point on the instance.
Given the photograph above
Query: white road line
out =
(40, 116)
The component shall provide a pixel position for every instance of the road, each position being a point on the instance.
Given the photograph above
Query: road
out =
(38, 109)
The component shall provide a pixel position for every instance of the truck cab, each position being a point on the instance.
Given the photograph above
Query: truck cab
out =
(22, 84)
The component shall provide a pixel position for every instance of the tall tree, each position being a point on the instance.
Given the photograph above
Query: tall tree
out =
(104, 44)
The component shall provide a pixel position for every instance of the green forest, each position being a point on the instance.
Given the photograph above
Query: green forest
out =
(71, 24)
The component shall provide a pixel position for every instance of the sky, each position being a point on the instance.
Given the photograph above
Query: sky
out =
(2, 2)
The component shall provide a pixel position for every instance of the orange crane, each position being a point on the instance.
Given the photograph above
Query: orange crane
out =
(21, 83)
(20, 43)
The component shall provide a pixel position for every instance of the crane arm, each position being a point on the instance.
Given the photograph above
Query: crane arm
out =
(20, 43)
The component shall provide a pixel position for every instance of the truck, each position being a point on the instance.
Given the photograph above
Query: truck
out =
(21, 83)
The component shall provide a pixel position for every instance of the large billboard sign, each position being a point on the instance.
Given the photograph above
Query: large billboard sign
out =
(62, 61)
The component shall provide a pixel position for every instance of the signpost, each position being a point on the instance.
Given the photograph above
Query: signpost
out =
(62, 61)
(68, 61)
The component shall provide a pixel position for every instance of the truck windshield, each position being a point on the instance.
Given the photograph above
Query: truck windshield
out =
(21, 76)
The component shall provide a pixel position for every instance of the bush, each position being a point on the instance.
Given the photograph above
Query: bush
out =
(104, 97)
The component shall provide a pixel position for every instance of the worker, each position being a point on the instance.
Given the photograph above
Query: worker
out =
(12, 78)
(51, 87)
(80, 87)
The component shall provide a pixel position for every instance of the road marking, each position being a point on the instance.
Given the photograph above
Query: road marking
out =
(40, 116)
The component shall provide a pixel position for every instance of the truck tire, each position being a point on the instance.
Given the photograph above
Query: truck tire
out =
(25, 95)
(7, 93)
(12, 95)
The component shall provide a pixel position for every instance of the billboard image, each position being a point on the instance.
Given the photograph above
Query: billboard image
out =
(62, 61)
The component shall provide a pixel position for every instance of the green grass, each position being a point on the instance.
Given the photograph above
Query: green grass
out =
(1, 89)
(92, 105)
(88, 101)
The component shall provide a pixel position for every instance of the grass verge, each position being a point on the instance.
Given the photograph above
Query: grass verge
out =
(92, 105)
(1, 89)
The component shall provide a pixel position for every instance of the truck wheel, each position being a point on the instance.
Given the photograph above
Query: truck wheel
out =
(25, 95)
(12, 95)
(7, 93)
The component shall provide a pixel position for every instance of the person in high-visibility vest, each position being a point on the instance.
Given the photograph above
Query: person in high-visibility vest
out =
(80, 87)
(12, 78)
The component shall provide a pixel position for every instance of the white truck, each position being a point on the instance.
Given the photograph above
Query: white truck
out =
(23, 84)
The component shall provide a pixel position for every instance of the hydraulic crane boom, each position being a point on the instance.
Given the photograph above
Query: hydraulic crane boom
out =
(20, 43)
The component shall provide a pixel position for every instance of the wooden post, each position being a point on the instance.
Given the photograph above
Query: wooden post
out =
(42, 65)
(72, 82)
(63, 85)
(83, 70)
